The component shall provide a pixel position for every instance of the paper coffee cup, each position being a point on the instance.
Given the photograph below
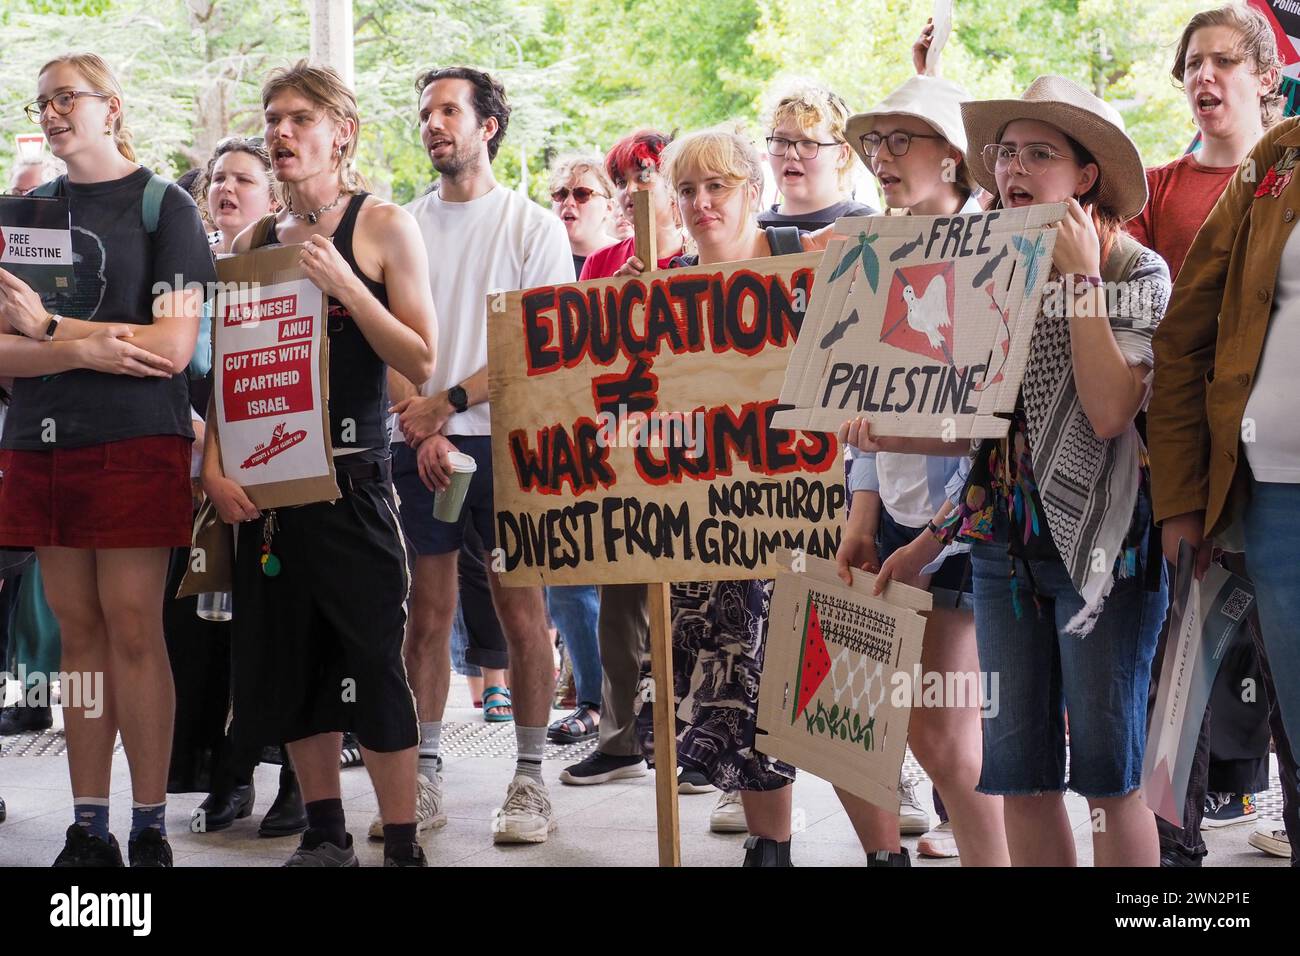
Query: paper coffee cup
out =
(447, 504)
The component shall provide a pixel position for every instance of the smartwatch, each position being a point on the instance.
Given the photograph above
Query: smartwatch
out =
(52, 327)
(458, 398)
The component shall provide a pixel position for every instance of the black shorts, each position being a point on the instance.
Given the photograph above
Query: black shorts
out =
(425, 533)
(318, 648)
(950, 585)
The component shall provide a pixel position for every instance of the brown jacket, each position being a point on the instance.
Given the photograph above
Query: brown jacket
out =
(1208, 347)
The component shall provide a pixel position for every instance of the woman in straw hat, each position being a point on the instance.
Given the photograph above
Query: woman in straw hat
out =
(915, 144)
(1067, 605)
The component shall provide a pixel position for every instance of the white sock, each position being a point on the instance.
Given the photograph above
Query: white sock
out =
(430, 739)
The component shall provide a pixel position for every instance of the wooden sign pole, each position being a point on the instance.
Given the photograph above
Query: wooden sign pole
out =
(661, 627)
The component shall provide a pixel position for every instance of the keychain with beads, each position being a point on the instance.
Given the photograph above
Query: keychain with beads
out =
(270, 563)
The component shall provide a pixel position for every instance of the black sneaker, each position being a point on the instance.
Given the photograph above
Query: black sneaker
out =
(83, 848)
(150, 848)
(885, 858)
(1228, 809)
(602, 768)
(415, 859)
(350, 752)
(760, 851)
(693, 781)
(25, 720)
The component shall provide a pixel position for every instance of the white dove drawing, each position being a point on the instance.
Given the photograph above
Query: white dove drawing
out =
(929, 313)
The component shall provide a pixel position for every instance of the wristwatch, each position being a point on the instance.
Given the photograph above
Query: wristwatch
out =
(53, 326)
(458, 398)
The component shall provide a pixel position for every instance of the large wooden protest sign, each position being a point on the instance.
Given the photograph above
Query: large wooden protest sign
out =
(631, 428)
(834, 659)
(922, 323)
(36, 244)
(271, 380)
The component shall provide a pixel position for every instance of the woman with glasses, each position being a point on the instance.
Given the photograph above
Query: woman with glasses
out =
(915, 145)
(96, 456)
(1070, 592)
(583, 197)
(810, 160)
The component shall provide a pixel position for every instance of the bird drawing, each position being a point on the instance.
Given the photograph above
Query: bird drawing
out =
(929, 313)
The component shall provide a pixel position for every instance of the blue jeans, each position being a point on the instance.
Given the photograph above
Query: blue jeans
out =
(1274, 566)
(575, 609)
(1041, 671)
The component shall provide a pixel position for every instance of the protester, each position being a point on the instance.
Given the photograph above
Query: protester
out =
(1224, 463)
(502, 241)
(915, 144)
(336, 609)
(27, 176)
(582, 195)
(719, 626)
(810, 160)
(100, 416)
(1228, 66)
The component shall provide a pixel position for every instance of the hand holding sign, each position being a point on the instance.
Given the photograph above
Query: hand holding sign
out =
(232, 502)
(1078, 247)
(21, 307)
(324, 266)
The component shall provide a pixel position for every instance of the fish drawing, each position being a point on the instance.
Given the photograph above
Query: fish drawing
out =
(906, 249)
(989, 268)
(838, 329)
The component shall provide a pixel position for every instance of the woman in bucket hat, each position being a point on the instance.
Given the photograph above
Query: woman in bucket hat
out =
(1067, 605)
(914, 143)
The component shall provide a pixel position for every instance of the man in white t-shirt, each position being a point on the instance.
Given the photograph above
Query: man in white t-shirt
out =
(481, 238)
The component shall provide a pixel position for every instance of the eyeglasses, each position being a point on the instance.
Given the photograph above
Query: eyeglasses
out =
(898, 142)
(1033, 158)
(803, 148)
(581, 194)
(62, 103)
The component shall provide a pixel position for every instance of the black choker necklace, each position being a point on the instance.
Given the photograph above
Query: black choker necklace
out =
(314, 216)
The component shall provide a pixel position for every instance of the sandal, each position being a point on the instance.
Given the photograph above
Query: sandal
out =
(497, 698)
(576, 727)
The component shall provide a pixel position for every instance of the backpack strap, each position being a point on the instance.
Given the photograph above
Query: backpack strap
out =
(784, 240)
(151, 202)
(49, 189)
(262, 231)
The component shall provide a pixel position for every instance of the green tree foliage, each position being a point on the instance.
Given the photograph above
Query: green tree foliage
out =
(582, 72)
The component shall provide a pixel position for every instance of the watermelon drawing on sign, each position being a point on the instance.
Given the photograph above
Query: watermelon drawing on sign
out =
(814, 661)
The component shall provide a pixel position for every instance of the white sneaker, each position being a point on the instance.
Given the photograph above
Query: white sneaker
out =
(1271, 839)
(938, 843)
(429, 814)
(526, 816)
(913, 819)
(729, 815)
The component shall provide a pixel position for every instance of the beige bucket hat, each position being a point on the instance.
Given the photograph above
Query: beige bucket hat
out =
(1087, 120)
(928, 98)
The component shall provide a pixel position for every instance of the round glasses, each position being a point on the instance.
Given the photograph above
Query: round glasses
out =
(62, 103)
(803, 148)
(581, 194)
(1034, 158)
(897, 142)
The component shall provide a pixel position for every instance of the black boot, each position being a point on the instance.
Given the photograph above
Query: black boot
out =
(760, 851)
(885, 858)
(220, 810)
(288, 814)
(25, 720)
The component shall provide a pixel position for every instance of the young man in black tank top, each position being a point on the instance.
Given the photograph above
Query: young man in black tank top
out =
(338, 601)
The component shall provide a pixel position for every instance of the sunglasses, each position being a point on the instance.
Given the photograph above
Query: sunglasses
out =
(581, 194)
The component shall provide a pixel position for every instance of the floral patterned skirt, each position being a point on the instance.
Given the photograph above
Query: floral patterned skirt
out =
(719, 629)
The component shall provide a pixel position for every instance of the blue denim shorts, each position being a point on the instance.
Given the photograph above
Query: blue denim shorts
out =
(1040, 672)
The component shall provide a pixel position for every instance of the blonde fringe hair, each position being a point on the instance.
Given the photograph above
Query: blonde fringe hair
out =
(99, 76)
(723, 151)
(324, 88)
(576, 164)
(808, 106)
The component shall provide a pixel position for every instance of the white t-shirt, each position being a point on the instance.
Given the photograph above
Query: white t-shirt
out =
(500, 242)
(1274, 452)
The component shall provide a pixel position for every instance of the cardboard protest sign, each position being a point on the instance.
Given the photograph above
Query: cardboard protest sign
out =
(631, 436)
(922, 323)
(1205, 618)
(838, 673)
(271, 379)
(36, 242)
(942, 17)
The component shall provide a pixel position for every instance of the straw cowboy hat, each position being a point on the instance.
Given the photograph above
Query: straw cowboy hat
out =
(1092, 122)
(928, 98)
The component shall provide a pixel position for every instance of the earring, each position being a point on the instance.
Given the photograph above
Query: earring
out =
(108, 130)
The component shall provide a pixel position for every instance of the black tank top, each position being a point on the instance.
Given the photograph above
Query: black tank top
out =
(358, 377)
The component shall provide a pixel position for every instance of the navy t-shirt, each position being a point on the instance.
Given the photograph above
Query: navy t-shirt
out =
(116, 264)
(812, 221)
